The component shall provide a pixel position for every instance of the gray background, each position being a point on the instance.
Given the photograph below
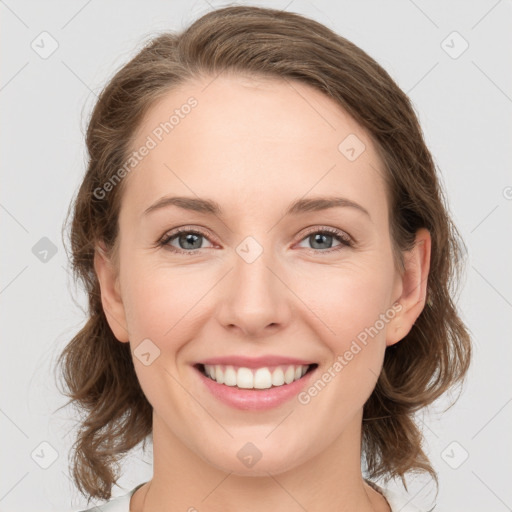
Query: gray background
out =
(464, 105)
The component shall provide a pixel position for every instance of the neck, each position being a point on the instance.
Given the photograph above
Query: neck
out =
(329, 481)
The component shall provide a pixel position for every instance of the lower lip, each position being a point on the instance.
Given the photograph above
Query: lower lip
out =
(255, 399)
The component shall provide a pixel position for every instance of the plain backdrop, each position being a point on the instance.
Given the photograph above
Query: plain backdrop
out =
(463, 97)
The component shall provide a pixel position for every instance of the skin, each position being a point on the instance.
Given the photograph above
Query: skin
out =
(255, 146)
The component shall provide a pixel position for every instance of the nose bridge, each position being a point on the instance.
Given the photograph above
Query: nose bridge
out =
(254, 298)
(251, 271)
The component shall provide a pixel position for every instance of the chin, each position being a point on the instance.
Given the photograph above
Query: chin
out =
(246, 459)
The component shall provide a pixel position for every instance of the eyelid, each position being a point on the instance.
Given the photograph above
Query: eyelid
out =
(327, 229)
(186, 229)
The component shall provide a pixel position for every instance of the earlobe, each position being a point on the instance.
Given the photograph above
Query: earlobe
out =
(110, 294)
(414, 288)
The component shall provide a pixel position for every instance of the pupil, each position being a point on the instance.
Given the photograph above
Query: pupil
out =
(321, 237)
(189, 238)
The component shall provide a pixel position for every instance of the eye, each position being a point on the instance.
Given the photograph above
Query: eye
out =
(189, 241)
(321, 239)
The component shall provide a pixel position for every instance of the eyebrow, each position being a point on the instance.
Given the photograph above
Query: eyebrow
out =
(208, 206)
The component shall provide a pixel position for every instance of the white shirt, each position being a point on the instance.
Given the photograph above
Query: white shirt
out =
(397, 502)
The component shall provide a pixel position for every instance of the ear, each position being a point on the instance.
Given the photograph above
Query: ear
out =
(110, 293)
(413, 288)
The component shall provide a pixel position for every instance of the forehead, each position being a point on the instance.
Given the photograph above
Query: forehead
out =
(240, 139)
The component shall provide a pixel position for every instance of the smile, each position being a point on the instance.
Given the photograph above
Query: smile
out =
(254, 388)
(255, 378)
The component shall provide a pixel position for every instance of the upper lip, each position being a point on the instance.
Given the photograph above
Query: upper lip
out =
(254, 362)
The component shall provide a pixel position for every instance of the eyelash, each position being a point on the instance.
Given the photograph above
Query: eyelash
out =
(342, 237)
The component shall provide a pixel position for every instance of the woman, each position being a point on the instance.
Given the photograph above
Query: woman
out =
(268, 258)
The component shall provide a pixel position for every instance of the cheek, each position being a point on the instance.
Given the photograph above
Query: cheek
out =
(351, 329)
(351, 307)
(160, 301)
(347, 300)
(160, 307)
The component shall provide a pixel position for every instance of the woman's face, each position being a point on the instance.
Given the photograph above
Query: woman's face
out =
(253, 279)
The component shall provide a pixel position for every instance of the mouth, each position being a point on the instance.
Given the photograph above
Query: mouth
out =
(255, 379)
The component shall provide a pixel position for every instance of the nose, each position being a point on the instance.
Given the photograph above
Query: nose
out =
(255, 299)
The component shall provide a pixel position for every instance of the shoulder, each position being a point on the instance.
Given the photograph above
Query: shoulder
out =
(117, 504)
(398, 502)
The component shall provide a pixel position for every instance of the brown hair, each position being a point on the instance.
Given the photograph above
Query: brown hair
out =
(435, 355)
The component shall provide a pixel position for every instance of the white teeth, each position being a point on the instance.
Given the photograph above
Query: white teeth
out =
(244, 378)
(229, 376)
(278, 377)
(261, 378)
(289, 374)
(219, 375)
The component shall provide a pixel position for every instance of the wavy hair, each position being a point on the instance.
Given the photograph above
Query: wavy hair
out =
(97, 369)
